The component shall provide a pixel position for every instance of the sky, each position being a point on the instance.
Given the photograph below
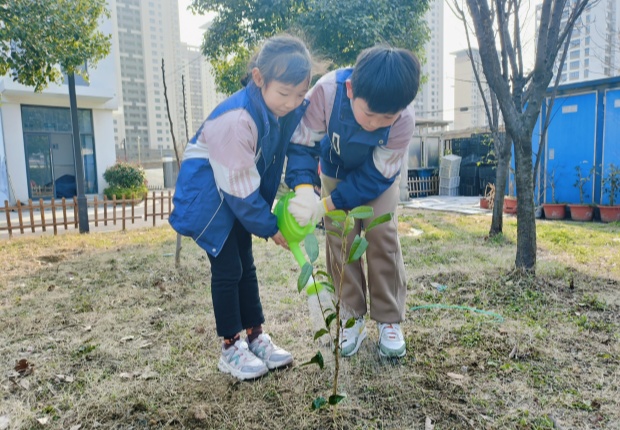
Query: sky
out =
(190, 24)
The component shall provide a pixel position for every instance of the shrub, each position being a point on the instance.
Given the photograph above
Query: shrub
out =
(125, 179)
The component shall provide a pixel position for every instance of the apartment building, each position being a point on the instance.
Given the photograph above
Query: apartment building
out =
(594, 47)
(429, 101)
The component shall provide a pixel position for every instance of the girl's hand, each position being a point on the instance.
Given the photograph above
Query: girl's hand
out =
(280, 240)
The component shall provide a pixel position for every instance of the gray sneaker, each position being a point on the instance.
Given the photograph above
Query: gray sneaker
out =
(240, 362)
(351, 338)
(391, 341)
(272, 355)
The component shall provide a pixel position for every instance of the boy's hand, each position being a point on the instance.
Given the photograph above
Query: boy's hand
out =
(304, 205)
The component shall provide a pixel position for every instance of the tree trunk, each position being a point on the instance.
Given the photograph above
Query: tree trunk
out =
(526, 225)
(501, 176)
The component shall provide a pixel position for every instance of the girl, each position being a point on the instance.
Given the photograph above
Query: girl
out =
(225, 190)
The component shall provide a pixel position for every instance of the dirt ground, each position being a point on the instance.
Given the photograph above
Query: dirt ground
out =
(101, 331)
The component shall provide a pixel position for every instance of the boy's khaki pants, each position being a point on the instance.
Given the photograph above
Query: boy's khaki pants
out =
(386, 283)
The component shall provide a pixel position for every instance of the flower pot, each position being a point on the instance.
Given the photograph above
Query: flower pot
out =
(609, 213)
(510, 205)
(581, 212)
(484, 203)
(554, 210)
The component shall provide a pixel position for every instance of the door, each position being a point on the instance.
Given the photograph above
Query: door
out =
(39, 165)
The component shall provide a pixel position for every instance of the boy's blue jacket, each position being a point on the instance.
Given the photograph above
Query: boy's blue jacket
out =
(345, 152)
(206, 213)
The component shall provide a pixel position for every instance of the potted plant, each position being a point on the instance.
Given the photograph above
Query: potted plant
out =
(581, 211)
(611, 188)
(486, 201)
(510, 201)
(553, 210)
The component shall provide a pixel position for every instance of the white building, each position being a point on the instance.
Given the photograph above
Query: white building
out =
(429, 101)
(36, 140)
(594, 49)
(469, 109)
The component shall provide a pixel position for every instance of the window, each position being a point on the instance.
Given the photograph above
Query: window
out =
(574, 75)
(574, 65)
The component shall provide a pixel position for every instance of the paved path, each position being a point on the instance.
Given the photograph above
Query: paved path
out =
(460, 204)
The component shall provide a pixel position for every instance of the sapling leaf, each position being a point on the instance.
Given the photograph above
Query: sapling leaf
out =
(349, 223)
(317, 359)
(329, 318)
(320, 333)
(304, 276)
(312, 247)
(337, 215)
(358, 247)
(350, 323)
(318, 403)
(361, 212)
(379, 220)
(329, 287)
(334, 399)
(333, 233)
(324, 273)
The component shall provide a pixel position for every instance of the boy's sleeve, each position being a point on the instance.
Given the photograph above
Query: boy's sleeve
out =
(232, 150)
(303, 153)
(378, 172)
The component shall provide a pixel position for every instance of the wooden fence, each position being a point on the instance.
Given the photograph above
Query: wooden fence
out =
(422, 187)
(54, 214)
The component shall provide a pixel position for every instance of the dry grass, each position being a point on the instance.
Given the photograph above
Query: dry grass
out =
(119, 339)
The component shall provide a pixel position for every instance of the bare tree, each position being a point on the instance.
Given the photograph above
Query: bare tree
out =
(177, 254)
(520, 94)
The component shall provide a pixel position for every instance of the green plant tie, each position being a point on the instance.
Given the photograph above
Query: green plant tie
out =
(498, 317)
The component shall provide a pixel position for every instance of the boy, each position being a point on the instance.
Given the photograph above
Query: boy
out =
(359, 124)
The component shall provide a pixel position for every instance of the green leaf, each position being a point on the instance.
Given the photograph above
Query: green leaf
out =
(329, 318)
(311, 244)
(337, 215)
(379, 220)
(334, 399)
(318, 403)
(317, 359)
(325, 274)
(350, 323)
(304, 276)
(333, 233)
(320, 333)
(358, 247)
(349, 223)
(329, 287)
(361, 212)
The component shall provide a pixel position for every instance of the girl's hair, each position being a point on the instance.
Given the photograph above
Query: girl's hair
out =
(282, 58)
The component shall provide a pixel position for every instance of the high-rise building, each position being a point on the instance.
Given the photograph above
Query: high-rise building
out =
(429, 101)
(594, 47)
(148, 35)
(469, 109)
(201, 95)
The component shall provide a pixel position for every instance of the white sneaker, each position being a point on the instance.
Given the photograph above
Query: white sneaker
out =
(391, 341)
(272, 355)
(351, 338)
(240, 362)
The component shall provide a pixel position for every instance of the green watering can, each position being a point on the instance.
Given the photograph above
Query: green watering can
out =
(294, 234)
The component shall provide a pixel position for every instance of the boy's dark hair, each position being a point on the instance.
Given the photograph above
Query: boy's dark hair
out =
(282, 58)
(386, 78)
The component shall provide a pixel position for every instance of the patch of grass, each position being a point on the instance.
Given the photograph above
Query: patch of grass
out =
(134, 338)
